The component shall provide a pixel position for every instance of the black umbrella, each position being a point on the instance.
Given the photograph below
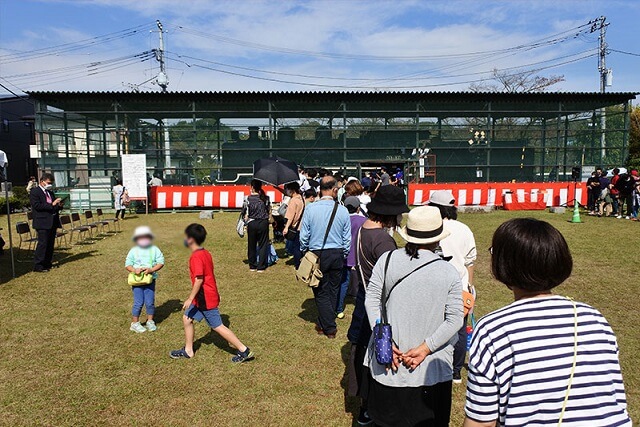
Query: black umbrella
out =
(275, 170)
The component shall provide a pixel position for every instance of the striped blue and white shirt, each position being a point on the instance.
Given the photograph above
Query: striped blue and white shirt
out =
(520, 362)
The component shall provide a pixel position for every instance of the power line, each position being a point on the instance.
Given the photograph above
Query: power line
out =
(549, 40)
(72, 46)
(624, 52)
(376, 79)
(368, 87)
(85, 67)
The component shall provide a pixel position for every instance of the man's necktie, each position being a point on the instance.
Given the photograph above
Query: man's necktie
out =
(49, 200)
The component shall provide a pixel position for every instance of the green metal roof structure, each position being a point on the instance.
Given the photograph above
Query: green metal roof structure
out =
(195, 137)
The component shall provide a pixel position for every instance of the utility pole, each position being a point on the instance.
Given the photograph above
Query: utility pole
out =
(601, 24)
(162, 79)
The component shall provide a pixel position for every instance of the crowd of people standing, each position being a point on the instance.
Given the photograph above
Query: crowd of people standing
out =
(615, 195)
(542, 359)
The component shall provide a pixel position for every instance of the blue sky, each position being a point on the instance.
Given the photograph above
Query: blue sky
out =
(435, 45)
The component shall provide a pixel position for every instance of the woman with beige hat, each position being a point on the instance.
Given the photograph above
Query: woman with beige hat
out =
(425, 313)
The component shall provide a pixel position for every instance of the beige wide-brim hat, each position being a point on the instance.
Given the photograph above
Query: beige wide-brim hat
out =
(424, 226)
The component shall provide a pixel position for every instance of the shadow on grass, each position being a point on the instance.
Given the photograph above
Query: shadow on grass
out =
(75, 257)
(213, 338)
(166, 309)
(309, 311)
(351, 403)
(24, 261)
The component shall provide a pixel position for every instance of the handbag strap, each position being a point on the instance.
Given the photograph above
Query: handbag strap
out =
(575, 360)
(385, 297)
(333, 216)
(360, 253)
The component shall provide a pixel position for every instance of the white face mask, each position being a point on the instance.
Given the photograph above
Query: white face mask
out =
(48, 186)
(144, 242)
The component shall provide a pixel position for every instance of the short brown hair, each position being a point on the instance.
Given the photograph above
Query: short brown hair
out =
(353, 188)
(530, 254)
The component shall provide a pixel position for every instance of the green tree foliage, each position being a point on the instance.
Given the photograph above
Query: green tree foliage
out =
(634, 138)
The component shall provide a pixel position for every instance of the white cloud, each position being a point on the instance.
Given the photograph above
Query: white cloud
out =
(401, 28)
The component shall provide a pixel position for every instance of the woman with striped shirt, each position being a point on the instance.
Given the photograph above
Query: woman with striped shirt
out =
(543, 360)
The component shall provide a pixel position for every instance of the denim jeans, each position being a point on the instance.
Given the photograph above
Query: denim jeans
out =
(344, 287)
(460, 348)
(144, 296)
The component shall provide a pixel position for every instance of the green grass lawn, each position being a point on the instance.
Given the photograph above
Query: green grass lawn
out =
(68, 358)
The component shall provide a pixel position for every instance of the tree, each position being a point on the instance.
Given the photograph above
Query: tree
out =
(522, 82)
(634, 138)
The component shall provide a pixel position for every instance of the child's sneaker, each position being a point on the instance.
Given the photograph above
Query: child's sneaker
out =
(151, 326)
(179, 354)
(243, 356)
(137, 327)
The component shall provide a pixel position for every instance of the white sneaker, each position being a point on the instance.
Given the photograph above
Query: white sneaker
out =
(619, 216)
(151, 326)
(137, 327)
(627, 217)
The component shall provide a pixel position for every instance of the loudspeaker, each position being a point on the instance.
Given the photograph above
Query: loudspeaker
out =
(576, 172)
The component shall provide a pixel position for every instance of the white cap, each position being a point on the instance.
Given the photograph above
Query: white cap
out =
(142, 231)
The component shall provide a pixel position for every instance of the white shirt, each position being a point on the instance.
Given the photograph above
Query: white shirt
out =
(365, 199)
(155, 182)
(461, 245)
(304, 183)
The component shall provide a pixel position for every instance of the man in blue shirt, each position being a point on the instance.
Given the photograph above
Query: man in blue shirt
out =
(331, 252)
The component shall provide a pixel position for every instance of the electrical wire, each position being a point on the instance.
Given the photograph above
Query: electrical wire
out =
(73, 46)
(549, 40)
(85, 67)
(275, 80)
(624, 52)
(375, 79)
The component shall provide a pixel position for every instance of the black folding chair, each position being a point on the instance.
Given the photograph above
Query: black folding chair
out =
(110, 221)
(26, 238)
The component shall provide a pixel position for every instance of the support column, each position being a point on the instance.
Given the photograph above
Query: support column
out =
(566, 143)
(270, 130)
(592, 148)
(558, 137)
(118, 143)
(40, 126)
(489, 142)
(625, 133)
(543, 159)
(219, 148)
(66, 148)
(104, 147)
(88, 142)
(195, 143)
(344, 134)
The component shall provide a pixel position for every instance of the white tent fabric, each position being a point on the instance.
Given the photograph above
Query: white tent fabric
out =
(3, 159)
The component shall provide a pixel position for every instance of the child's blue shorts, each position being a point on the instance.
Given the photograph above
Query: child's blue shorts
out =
(211, 316)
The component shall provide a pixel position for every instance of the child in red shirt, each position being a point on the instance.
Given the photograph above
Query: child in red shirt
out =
(204, 299)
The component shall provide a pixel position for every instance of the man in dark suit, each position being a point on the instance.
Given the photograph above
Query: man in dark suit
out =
(46, 221)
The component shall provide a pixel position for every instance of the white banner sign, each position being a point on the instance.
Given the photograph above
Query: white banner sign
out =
(134, 175)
